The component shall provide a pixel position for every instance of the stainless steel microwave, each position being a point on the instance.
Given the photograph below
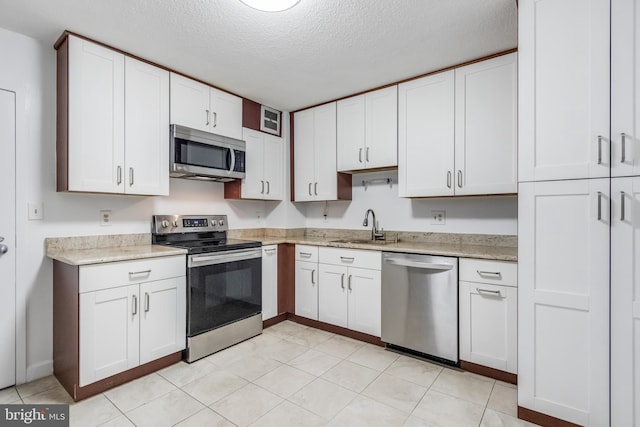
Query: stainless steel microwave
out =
(196, 154)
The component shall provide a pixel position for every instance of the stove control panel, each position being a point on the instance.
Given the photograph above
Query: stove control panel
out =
(167, 224)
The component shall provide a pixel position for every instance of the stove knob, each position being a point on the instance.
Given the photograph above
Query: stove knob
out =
(164, 223)
(175, 223)
(220, 222)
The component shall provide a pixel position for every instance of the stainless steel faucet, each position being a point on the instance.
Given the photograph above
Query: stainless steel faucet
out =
(375, 233)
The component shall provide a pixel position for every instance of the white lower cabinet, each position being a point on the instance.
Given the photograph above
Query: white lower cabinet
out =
(133, 322)
(307, 281)
(488, 313)
(269, 281)
(349, 292)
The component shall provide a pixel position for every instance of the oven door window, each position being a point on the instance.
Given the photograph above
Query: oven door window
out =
(220, 294)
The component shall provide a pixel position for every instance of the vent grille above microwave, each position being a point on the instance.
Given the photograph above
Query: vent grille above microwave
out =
(270, 120)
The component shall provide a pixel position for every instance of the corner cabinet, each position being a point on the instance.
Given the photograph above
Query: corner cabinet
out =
(314, 153)
(457, 131)
(367, 130)
(129, 319)
(113, 116)
(202, 107)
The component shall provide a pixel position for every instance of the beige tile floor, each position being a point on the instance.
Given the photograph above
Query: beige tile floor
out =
(292, 375)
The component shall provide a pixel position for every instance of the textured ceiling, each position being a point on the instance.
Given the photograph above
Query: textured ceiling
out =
(317, 51)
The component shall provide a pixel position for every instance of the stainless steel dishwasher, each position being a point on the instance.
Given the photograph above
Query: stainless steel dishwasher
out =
(420, 304)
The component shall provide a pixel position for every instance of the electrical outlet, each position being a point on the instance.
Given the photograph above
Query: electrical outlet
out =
(438, 217)
(36, 211)
(105, 218)
(259, 216)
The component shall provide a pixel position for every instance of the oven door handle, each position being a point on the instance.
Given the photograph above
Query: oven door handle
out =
(224, 257)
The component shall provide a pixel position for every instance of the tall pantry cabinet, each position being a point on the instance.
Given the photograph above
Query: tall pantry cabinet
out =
(585, 214)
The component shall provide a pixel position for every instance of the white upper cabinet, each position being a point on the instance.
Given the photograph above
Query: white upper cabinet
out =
(486, 128)
(198, 106)
(117, 137)
(564, 89)
(146, 128)
(95, 137)
(625, 88)
(367, 130)
(315, 172)
(265, 166)
(426, 136)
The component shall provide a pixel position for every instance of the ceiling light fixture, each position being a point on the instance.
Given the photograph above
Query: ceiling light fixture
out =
(270, 5)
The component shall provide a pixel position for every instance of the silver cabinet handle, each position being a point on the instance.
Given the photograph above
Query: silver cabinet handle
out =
(489, 273)
(366, 155)
(262, 190)
(305, 254)
(271, 251)
(622, 197)
(208, 121)
(215, 119)
(599, 149)
(342, 281)
(268, 187)
(360, 155)
(136, 273)
(487, 291)
(313, 275)
(623, 144)
(310, 190)
(119, 179)
(146, 302)
(347, 259)
(130, 177)
(460, 178)
(349, 283)
(134, 309)
(315, 188)
(599, 205)
(448, 179)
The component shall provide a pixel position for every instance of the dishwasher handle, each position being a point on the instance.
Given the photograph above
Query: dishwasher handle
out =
(423, 265)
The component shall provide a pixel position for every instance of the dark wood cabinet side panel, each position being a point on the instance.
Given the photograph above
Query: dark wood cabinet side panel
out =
(250, 114)
(233, 189)
(286, 278)
(62, 117)
(344, 186)
(66, 338)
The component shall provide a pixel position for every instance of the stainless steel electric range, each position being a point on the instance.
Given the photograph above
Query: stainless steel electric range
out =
(224, 281)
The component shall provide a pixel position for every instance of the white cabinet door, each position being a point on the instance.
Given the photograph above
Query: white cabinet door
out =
(488, 325)
(269, 281)
(350, 133)
(273, 161)
(307, 289)
(365, 295)
(146, 129)
(303, 155)
(486, 127)
(426, 136)
(563, 299)
(226, 114)
(326, 177)
(109, 332)
(625, 88)
(190, 103)
(332, 295)
(563, 89)
(625, 302)
(253, 186)
(162, 318)
(96, 118)
(381, 128)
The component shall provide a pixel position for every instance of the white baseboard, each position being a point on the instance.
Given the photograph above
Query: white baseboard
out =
(39, 370)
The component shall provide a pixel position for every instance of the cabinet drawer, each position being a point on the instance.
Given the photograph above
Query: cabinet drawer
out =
(351, 258)
(486, 271)
(109, 275)
(306, 253)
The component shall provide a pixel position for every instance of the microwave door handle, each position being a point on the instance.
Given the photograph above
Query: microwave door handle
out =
(233, 160)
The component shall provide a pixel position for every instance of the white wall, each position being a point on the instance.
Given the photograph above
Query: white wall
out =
(29, 70)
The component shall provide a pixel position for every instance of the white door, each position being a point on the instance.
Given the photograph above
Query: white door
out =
(190, 103)
(426, 136)
(303, 155)
(563, 299)
(365, 296)
(324, 150)
(226, 114)
(7, 245)
(307, 289)
(350, 133)
(332, 294)
(625, 88)
(486, 127)
(625, 302)
(269, 281)
(563, 89)
(146, 129)
(273, 167)
(381, 128)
